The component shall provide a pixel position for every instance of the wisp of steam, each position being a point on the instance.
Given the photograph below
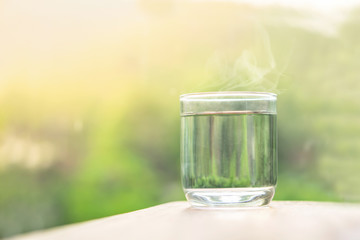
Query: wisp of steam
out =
(249, 71)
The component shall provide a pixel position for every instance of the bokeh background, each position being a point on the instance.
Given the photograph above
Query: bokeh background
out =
(89, 98)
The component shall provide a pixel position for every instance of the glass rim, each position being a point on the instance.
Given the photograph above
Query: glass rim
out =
(230, 102)
(228, 93)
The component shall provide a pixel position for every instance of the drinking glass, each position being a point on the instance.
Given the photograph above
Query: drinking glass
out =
(228, 148)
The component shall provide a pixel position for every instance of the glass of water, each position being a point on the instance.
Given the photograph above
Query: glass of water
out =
(228, 148)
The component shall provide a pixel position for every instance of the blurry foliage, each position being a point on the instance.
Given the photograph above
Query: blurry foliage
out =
(90, 120)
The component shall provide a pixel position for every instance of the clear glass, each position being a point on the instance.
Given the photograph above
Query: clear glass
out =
(228, 148)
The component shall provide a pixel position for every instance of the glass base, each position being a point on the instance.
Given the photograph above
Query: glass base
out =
(229, 197)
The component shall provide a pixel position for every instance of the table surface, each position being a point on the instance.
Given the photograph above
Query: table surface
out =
(177, 220)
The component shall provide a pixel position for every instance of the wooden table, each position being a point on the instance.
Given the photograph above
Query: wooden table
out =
(176, 220)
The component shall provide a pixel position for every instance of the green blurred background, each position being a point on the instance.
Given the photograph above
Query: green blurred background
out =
(89, 99)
